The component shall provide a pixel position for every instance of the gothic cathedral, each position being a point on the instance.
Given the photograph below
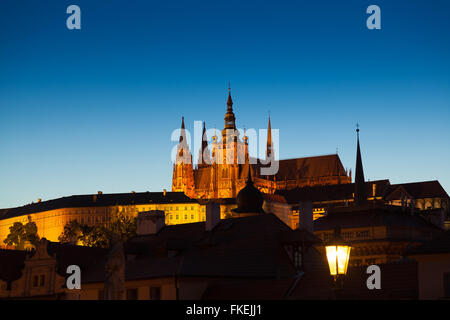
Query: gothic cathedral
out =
(222, 172)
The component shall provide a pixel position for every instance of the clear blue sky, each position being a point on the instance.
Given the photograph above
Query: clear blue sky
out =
(93, 109)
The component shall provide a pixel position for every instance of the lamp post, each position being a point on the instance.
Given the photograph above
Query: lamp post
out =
(338, 255)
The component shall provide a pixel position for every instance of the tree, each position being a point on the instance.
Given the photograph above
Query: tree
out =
(21, 235)
(72, 232)
(120, 227)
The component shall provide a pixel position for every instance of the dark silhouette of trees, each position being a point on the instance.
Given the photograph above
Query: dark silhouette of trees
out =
(120, 227)
(22, 236)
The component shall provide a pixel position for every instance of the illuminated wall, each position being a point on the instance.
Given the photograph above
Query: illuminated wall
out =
(51, 223)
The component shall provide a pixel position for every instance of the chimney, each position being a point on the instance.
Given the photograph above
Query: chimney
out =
(374, 190)
(212, 215)
(150, 222)
(164, 192)
(305, 216)
(39, 200)
(99, 192)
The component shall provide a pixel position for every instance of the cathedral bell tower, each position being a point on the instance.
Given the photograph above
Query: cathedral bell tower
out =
(229, 155)
(183, 173)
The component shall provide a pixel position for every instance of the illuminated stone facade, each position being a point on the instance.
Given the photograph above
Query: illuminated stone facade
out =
(224, 172)
(51, 216)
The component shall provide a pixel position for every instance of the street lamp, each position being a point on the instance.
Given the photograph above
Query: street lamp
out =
(338, 255)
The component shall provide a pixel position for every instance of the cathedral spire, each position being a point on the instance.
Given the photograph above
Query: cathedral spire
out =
(182, 132)
(204, 156)
(360, 190)
(229, 101)
(269, 141)
(229, 116)
(204, 140)
(183, 145)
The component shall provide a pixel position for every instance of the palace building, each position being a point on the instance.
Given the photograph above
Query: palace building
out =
(222, 171)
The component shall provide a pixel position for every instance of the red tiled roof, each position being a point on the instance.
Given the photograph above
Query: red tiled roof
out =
(237, 247)
(310, 167)
(249, 247)
(331, 192)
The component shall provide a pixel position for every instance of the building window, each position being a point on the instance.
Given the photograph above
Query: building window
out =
(155, 293)
(35, 281)
(101, 295)
(38, 281)
(447, 285)
(185, 217)
(192, 216)
(356, 262)
(298, 258)
(132, 294)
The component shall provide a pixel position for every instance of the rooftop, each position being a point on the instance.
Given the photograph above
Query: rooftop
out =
(97, 200)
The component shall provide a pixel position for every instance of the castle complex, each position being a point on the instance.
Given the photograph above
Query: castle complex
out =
(222, 172)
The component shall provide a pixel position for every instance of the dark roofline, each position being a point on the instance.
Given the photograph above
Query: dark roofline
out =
(369, 211)
(410, 184)
(317, 156)
(329, 192)
(97, 200)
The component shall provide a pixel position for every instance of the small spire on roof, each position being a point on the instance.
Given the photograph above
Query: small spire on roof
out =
(229, 101)
(360, 189)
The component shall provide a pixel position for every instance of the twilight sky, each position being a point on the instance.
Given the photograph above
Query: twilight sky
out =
(94, 109)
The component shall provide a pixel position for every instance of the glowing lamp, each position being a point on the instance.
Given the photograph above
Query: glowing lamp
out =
(338, 254)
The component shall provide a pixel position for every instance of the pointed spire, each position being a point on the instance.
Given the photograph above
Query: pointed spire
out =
(229, 116)
(269, 141)
(183, 144)
(360, 190)
(182, 133)
(204, 156)
(229, 101)
(204, 139)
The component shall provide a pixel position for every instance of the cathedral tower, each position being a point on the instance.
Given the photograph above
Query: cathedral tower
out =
(183, 174)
